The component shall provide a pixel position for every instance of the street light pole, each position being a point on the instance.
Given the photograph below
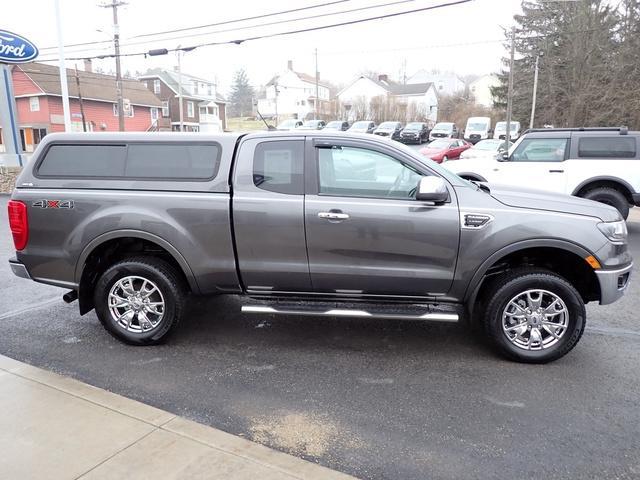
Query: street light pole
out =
(535, 92)
(317, 88)
(64, 87)
(179, 53)
(507, 137)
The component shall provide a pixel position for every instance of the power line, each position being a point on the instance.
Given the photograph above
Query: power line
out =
(286, 33)
(225, 22)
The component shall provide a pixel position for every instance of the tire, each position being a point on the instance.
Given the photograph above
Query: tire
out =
(609, 196)
(140, 315)
(520, 344)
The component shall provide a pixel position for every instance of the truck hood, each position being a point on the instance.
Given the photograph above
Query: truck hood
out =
(552, 202)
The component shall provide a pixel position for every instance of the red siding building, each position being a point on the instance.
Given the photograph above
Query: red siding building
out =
(39, 103)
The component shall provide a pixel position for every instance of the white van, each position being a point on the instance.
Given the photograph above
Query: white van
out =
(478, 128)
(500, 132)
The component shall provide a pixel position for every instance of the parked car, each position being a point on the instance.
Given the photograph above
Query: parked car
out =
(289, 124)
(117, 219)
(600, 164)
(338, 125)
(444, 130)
(389, 129)
(313, 125)
(445, 149)
(363, 126)
(415, 132)
(500, 131)
(478, 128)
(486, 149)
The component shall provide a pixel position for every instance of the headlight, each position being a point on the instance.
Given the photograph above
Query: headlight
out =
(616, 232)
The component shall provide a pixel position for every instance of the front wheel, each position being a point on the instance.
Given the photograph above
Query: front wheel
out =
(139, 300)
(534, 315)
(611, 197)
(445, 159)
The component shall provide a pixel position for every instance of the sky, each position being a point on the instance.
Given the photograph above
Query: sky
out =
(465, 38)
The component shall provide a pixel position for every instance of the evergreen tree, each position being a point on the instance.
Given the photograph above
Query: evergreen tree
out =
(241, 98)
(589, 60)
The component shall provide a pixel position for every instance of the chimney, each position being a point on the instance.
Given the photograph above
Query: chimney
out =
(88, 65)
(290, 65)
(383, 78)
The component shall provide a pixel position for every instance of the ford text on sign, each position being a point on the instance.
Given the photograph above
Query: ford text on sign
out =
(15, 48)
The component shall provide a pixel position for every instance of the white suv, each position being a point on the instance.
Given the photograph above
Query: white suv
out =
(601, 164)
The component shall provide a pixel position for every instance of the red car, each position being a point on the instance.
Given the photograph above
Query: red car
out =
(445, 149)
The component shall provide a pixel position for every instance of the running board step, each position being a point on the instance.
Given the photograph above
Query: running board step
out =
(424, 312)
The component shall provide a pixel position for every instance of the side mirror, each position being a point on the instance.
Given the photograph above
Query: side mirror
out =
(432, 189)
(503, 157)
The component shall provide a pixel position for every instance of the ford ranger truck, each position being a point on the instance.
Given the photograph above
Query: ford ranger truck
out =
(308, 223)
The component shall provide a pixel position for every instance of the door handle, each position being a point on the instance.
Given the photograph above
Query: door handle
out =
(333, 215)
(556, 171)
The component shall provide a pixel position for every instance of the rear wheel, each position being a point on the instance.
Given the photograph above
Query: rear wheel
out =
(611, 197)
(139, 300)
(533, 315)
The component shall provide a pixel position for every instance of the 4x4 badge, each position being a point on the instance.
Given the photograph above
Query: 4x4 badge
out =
(53, 204)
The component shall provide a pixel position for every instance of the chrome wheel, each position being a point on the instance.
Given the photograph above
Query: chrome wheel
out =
(535, 319)
(136, 304)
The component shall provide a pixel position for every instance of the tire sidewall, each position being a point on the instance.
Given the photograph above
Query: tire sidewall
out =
(610, 197)
(101, 295)
(571, 298)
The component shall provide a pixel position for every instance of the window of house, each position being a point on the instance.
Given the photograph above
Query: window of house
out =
(209, 89)
(540, 150)
(203, 110)
(38, 135)
(34, 104)
(154, 114)
(279, 167)
(186, 161)
(156, 86)
(165, 108)
(607, 147)
(190, 110)
(359, 172)
(127, 113)
(195, 87)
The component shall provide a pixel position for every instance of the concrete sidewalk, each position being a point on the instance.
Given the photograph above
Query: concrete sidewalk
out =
(55, 427)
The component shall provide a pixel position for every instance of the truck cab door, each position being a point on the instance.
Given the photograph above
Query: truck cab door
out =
(366, 232)
(535, 163)
(268, 215)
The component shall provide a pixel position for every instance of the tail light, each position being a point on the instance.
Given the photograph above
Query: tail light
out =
(18, 223)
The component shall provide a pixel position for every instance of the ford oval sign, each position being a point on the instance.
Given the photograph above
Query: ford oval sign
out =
(15, 48)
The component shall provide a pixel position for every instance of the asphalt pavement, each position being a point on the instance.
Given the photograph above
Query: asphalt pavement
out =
(376, 399)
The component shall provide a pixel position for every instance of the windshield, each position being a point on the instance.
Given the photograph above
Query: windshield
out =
(361, 125)
(288, 124)
(334, 125)
(477, 126)
(311, 123)
(439, 144)
(488, 145)
(444, 126)
(502, 126)
(388, 125)
(413, 126)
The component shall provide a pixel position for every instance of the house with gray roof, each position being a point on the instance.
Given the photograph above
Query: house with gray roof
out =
(203, 108)
(366, 96)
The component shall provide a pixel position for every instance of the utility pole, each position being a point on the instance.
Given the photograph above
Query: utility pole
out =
(180, 107)
(275, 87)
(535, 92)
(317, 88)
(84, 123)
(510, 89)
(64, 87)
(116, 45)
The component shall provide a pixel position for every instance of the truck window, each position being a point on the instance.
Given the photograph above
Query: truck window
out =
(540, 150)
(84, 161)
(358, 172)
(180, 161)
(607, 147)
(279, 167)
(185, 161)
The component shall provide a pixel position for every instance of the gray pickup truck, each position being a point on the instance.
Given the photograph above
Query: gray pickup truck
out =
(307, 223)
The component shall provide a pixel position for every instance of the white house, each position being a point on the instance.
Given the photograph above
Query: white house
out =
(447, 83)
(292, 94)
(418, 101)
(481, 89)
